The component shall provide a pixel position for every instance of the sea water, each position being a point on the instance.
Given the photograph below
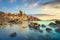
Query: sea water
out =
(24, 33)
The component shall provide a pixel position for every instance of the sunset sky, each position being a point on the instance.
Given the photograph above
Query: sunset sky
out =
(51, 7)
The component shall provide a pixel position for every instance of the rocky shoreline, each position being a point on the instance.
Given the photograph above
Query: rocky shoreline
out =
(16, 18)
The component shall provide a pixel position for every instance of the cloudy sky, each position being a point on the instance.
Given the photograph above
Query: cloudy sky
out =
(31, 6)
(47, 9)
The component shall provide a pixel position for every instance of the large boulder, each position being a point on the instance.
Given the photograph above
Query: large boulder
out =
(34, 25)
(41, 31)
(57, 21)
(11, 21)
(13, 34)
(57, 30)
(48, 29)
(53, 25)
(56, 24)
(43, 25)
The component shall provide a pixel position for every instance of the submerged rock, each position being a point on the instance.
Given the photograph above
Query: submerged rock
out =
(43, 25)
(48, 29)
(57, 30)
(13, 34)
(40, 30)
(34, 25)
(57, 21)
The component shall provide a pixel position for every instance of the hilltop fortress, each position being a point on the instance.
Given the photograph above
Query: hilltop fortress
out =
(16, 18)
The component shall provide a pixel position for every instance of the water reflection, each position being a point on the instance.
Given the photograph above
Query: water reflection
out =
(24, 33)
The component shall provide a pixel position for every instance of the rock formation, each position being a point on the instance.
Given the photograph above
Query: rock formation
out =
(48, 29)
(34, 26)
(57, 30)
(16, 18)
(57, 22)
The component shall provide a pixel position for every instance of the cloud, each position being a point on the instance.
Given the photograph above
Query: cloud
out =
(24, 1)
(49, 17)
(11, 1)
(41, 15)
(52, 2)
(31, 4)
(51, 8)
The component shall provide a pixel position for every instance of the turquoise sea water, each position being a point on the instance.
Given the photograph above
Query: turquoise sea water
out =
(24, 33)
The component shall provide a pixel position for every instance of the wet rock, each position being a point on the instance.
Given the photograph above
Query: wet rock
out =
(48, 29)
(53, 25)
(31, 25)
(40, 30)
(57, 21)
(34, 25)
(0, 23)
(13, 34)
(43, 25)
(57, 30)
(24, 27)
(11, 21)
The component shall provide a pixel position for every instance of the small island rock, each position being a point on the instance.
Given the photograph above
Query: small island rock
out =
(34, 25)
(13, 34)
(48, 29)
(57, 30)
